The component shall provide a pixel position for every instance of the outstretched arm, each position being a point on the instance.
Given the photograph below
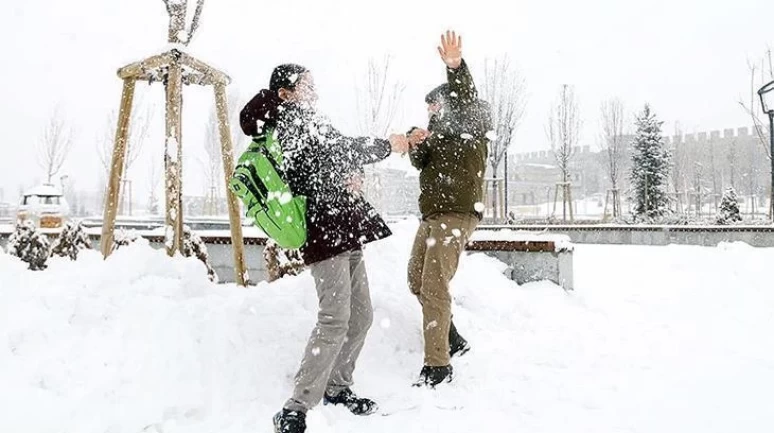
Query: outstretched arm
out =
(463, 89)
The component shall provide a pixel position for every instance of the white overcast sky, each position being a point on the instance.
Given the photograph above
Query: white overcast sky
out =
(688, 58)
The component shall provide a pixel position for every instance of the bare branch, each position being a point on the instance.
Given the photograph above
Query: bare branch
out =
(564, 128)
(54, 146)
(505, 90)
(612, 114)
(378, 98)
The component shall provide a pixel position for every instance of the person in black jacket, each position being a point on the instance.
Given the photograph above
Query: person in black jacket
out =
(319, 162)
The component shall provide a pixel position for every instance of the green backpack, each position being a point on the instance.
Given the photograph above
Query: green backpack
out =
(269, 202)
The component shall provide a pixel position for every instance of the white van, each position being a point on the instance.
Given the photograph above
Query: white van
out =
(45, 205)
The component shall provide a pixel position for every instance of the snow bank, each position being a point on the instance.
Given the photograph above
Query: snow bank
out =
(667, 339)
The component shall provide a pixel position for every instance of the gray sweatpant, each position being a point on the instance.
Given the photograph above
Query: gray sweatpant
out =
(344, 317)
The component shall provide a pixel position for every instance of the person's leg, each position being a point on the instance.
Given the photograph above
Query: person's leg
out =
(332, 280)
(417, 260)
(449, 234)
(360, 319)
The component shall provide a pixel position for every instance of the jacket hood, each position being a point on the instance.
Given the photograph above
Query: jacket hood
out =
(262, 110)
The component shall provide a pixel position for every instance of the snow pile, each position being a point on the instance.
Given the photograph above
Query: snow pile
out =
(667, 339)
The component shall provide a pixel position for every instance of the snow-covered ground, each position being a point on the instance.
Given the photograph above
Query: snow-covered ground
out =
(654, 339)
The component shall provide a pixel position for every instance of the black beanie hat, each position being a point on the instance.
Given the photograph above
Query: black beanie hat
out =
(439, 94)
(286, 76)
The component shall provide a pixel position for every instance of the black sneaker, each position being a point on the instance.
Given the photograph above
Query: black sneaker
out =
(458, 346)
(432, 376)
(356, 405)
(289, 421)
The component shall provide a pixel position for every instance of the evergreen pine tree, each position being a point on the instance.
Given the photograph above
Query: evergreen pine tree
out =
(650, 169)
(729, 208)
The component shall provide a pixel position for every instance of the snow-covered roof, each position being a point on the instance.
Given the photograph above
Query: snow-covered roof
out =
(44, 190)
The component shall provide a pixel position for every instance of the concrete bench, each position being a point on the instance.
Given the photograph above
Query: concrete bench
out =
(530, 257)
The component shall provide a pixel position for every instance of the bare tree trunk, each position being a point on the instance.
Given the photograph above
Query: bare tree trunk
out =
(613, 130)
(563, 133)
(505, 90)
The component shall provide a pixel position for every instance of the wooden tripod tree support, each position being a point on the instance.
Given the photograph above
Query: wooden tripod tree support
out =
(174, 69)
(566, 190)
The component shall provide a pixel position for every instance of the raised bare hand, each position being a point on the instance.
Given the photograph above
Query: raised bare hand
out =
(451, 49)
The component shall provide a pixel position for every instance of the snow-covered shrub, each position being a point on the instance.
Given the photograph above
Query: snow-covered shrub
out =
(193, 246)
(281, 262)
(123, 239)
(28, 244)
(71, 241)
(729, 208)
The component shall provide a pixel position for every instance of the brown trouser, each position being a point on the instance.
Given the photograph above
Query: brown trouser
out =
(439, 243)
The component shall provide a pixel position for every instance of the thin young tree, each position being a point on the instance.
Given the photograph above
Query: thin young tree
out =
(212, 163)
(680, 168)
(379, 97)
(54, 146)
(378, 100)
(563, 131)
(154, 177)
(139, 127)
(505, 90)
(613, 120)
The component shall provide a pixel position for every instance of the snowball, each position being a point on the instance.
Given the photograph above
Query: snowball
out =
(479, 207)
(432, 325)
(285, 198)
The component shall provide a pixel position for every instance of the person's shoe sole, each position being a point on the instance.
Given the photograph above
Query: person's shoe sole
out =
(276, 423)
(461, 352)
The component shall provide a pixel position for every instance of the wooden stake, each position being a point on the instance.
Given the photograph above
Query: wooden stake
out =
(117, 168)
(237, 240)
(172, 160)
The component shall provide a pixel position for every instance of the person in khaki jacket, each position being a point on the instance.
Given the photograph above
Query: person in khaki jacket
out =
(451, 156)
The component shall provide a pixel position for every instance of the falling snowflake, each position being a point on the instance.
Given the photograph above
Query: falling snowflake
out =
(316, 351)
(432, 325)
(457, 233)
(479, 207)
(285, 198)
(431, 242)
(466, 136)
(385, 323)
(491, 135)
